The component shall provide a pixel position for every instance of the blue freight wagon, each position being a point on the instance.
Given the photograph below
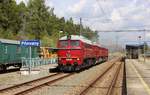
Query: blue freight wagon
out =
(11, 53)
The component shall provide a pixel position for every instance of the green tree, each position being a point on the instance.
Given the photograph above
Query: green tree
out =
(38, 21)
(9, 17)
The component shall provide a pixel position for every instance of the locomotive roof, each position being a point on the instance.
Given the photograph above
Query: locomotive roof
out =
(9, 41)
(77, 37)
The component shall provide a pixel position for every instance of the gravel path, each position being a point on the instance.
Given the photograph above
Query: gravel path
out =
(9, 79)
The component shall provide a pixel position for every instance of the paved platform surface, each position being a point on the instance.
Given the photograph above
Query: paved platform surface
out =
(137, 77)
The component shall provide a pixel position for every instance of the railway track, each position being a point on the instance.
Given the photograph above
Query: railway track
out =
(110, 89)
(114, 80)
(34, 85)
(27, 87)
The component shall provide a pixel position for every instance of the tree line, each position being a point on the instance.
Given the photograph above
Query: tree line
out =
(35, 20)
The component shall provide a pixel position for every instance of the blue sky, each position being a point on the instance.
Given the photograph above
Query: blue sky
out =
(107, 15)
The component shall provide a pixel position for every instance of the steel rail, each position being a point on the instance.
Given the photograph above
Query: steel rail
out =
(84, 92)
(25, 83)
(11, 88)
(41, 85)
(113, 82)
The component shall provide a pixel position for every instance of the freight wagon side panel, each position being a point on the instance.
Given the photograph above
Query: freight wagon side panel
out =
(11, 53)
(1, 53)
(4, 52)
(14, 53)
(24, 52)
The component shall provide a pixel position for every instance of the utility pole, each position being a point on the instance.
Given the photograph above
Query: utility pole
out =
(144, 46)
(117, 38)
(80, 26)
(139, 38)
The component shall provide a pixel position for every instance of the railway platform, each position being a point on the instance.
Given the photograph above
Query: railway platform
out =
(137, 77)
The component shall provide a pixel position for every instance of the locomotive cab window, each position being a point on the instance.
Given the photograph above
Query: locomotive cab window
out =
(74, 43)
(63, 43)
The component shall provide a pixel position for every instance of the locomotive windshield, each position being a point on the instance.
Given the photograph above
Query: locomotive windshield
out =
(63, 43)
(74, 43)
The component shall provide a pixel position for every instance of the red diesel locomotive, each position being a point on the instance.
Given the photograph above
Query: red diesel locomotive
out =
(76, 52)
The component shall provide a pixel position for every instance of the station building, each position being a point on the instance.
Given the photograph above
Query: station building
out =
(133, 51)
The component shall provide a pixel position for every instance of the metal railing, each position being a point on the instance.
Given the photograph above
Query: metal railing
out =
(34, 62)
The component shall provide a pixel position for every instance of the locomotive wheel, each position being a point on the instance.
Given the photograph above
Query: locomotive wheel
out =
(77, 68)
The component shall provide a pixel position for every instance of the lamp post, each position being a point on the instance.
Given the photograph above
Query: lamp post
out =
(59, 34)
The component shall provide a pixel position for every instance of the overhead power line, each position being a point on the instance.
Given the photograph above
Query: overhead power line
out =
(136, 30)
(102, 10)
(100, 7)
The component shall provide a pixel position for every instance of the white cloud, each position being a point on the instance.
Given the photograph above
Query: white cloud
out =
(123, 15)
(138, 17)
(96, 9)
(115, 16)
(118, 13)
(147, 35)
(25, 1)
(77, 8)
(49, 3)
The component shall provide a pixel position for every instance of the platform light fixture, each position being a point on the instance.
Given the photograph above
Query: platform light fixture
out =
(60, 33)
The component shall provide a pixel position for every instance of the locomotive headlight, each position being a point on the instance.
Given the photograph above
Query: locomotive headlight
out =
(59, 58)
(78, 58)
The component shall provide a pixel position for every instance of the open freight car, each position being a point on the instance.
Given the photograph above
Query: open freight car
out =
(11, 53)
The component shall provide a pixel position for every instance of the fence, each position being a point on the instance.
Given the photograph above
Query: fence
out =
(34, 62)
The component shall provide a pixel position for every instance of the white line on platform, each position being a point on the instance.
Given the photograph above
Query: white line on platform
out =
(141, 79)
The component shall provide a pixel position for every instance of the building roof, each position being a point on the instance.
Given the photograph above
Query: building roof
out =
(134, 45)
(9, 41)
